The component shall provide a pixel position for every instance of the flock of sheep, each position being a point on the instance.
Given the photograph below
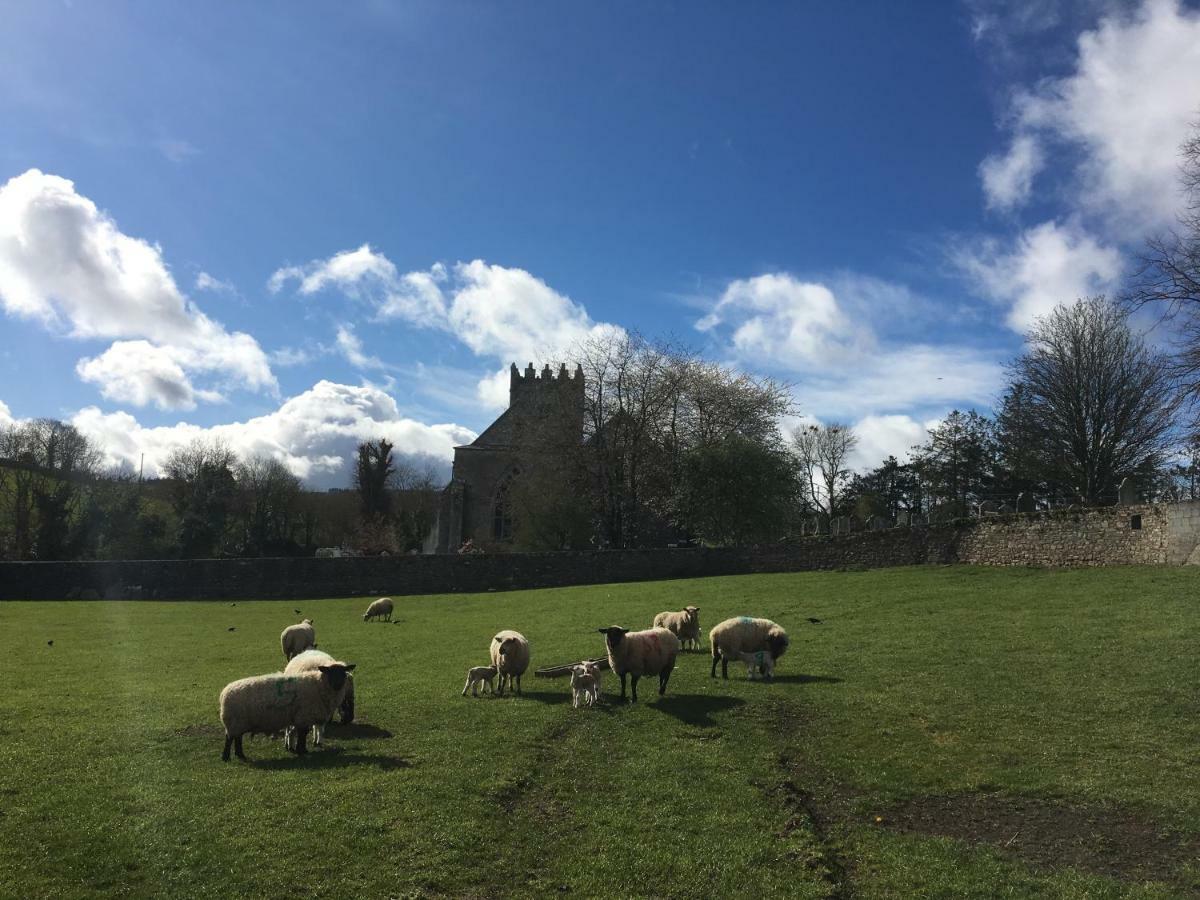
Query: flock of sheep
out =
(303, 698)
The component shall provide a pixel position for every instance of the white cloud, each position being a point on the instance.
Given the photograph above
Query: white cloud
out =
(139, 373)
(1008, 179)
(6, 416)
(1048, 265)
(882, 436)
(206, 282)
(795, 323)
(65, 263)
(176, 150)
(351, 347)
(1125, 109)
(314, 433)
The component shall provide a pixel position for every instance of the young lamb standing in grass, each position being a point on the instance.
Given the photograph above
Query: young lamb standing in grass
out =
(311, 661)
(639, 653)
(381, 608)
(585, 685)
(478, 675)
(758, 661)
(744, 634)
(510, 655)
(684, 624)
(298, 638)
(269, 704)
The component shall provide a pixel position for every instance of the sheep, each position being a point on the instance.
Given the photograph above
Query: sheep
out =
(379, 608)
(269, 704)
(638, 653)
(684, 624)
(298, 638)
(510, 655)
(758, 661)
(478, 675)
(744, 634)
(585, 684)
(311, 661)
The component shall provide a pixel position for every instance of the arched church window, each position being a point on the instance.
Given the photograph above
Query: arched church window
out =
(502, 519)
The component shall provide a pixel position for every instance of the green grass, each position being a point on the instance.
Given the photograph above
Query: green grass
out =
(1079, 689)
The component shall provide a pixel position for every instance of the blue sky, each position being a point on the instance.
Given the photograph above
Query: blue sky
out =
(293, 226)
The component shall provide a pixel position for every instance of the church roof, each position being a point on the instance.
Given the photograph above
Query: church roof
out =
(498, 434)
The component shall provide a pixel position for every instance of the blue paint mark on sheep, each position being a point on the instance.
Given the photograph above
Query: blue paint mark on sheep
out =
(745, 620)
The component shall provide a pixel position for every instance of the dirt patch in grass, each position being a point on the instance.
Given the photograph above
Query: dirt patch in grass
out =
(1049, 833)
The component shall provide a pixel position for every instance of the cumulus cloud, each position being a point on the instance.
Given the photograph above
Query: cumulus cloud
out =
(1046, 265)
(140, 373)
(778, 317)
(314, 433)
(351, 347)
(65, 264)
(502, 313)
(1008, 179)
(1122, 111)
(6, 416)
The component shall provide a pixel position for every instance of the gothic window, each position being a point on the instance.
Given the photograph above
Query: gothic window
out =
(502, 520)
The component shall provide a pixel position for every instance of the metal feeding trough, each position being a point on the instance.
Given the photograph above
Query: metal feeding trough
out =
(600, 662)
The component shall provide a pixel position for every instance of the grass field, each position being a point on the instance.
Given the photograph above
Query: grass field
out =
(950, 732)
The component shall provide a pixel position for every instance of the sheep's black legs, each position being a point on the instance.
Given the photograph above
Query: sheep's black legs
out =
(663, 677)
(225, 752)
(301, 742)
(623, 685)
(634, 679)
(724, 668)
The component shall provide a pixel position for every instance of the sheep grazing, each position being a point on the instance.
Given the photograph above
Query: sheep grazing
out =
(478, 675)
(758, 661)
(311, 661)
(295, 639)
(744, 634)
(585, 685)
(684, 624)
(510, 655)
(639, 653)
(380, 609)
(270, 704)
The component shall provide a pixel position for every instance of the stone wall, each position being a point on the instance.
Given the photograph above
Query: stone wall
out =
(1060, 538)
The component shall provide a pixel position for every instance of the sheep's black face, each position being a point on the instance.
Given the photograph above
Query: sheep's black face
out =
(777, 644)
(613, 635)
(336, 675)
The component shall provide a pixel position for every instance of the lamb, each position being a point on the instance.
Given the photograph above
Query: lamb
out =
(684, 624)
(638, 653)
(381, 608)
(311, 661)
(510, 656)
(298, 638)
(744, 634)
(585, 685)
(269, 704)
(478, 675)
(758, 661)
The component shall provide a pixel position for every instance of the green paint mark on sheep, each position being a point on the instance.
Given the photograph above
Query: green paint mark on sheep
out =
(285, 695)
(745, 620)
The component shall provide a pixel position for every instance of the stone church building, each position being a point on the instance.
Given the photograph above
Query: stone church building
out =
(544, 418)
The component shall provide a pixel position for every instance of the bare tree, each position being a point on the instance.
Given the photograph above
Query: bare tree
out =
(822, 451)
(1168, 281)
(202, 493)
(1099, 404)
(268, 497)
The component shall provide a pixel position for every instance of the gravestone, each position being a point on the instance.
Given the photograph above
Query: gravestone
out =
(877, 523)
(901, 519)
(1025, 502)
(1127, 493)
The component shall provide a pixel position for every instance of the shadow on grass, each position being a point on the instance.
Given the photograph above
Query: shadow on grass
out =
(551, 697)
(357, 730)
(807, 679)
(331, 758)
(696, 709)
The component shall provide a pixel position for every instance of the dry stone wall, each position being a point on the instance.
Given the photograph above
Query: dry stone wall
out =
(1110, 536)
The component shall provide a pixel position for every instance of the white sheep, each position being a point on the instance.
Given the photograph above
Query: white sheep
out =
(684, 624)
(478, 675)
(744, 634)
(311, 661)
(510, 654)
(269, 704)
(298, 638)
(758, 661)
(585, 685)
(639, 653)
(379, 608)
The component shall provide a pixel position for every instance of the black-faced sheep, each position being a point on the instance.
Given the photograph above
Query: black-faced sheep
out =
(296, 639)
(684, 624)
(270, 704)
(478, 675)
(744, 634)
(311, 661)
(381, 608)
(638, 653)
(510, 654)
